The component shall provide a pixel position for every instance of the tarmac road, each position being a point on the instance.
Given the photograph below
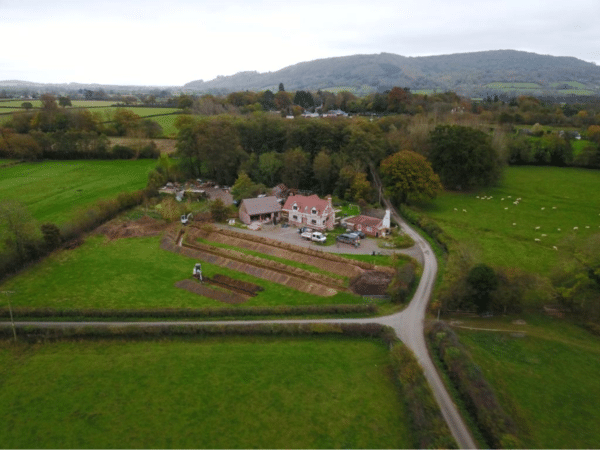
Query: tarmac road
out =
(408, 325)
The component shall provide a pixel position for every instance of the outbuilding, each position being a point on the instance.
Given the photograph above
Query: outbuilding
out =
(263, 210)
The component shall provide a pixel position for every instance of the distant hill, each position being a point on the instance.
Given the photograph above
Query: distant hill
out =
(464, 73)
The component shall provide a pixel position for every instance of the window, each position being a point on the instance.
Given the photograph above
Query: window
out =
(295, 218)
(314, 222)
(314, 211)
(295, 207)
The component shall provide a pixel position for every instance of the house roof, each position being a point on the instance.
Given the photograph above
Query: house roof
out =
(306, 204)
(364, 220)
(263, 205)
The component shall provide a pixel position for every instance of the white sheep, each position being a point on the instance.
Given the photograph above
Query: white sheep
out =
(455, 209)
(537, 228)
(514, 224)
(554, 247)
(464, 210)
(558, 229)
(505, 208)
(554, 207)
(537, 240)
(576, 228)
(502, 199)
(510, 196)
(543, 208)
(587, 226)
(544, 235)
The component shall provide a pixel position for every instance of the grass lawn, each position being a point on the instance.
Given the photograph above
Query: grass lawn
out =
(547, 381)
(54, 190)
(135, 273)
(554, 199)
(233, 393)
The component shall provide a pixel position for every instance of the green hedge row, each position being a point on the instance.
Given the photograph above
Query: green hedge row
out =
(33, 333)
(86, 220)
(20, 313)
(496, 426)
(427, 423)
(428, 226)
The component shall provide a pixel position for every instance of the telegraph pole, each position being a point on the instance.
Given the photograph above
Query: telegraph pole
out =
(7, 293)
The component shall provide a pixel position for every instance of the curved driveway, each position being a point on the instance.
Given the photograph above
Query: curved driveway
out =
(408, 325)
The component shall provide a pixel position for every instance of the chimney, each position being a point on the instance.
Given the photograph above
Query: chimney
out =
(329, 201)
(387, 219)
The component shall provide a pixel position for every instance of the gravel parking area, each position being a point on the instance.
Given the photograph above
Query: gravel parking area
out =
(290, 235)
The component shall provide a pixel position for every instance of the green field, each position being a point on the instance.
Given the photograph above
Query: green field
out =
(547, 381)
(55, 190)
(487, 225)
(229, 393)
(135, 273)
(573, 84)
(512, 85)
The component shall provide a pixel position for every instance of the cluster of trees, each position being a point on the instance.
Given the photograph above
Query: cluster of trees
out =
(333, 156)
(52, 117)
(474, 286)
(54, 132)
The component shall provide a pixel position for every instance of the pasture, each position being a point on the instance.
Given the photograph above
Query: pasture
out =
(558, 207)
(246, 392)
(135, 273)
(547, 380)
(55, 190)
(512, 85)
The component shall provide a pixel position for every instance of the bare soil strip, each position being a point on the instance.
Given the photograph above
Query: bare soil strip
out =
(242, 264)
(202, 289)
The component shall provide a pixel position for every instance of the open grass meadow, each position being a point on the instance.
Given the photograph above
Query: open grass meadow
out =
(211, 393)
(135, 273)
(55, 190)
(547, 380)
(557, 207)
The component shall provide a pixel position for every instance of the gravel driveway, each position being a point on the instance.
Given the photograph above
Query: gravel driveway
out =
(290, 235)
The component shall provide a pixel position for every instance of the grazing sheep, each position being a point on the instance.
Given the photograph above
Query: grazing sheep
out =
(558, 229)
(514, 224)
(509, 196)
(587, 226)
(554, 207)
(537, 228)
(576, 228)
(505, 208)
(554, 247)
(502, 199)
(543, 208)
(464, 210)
(544, 235)
(455, 209)
(537, 240)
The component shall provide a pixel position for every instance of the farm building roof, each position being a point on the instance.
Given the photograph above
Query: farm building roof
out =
(263, 205)
(306, 204)
(364, 220)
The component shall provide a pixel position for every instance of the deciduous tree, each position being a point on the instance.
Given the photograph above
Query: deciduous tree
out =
(408, 174)
(463, 157)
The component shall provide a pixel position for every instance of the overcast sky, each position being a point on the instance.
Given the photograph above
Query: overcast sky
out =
(150, 42)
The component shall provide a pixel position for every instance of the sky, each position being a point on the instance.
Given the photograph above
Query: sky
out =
(170, 43)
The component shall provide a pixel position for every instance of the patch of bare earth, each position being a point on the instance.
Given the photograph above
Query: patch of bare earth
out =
(144, 226)
(371, 282)
(203, 289)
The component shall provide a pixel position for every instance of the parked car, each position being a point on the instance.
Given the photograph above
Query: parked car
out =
(349, 238)
(314, 236)
(360, 234)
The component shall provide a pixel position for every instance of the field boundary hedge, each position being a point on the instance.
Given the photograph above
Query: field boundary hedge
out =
(222, 312)
(496, 426)
(428, 226)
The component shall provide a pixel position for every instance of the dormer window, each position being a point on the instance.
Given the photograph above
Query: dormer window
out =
(314, 211)
(295, 207)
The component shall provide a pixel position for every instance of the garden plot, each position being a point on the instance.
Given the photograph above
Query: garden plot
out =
(288, 276)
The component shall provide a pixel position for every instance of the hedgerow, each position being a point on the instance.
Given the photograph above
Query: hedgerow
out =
(496, 426)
